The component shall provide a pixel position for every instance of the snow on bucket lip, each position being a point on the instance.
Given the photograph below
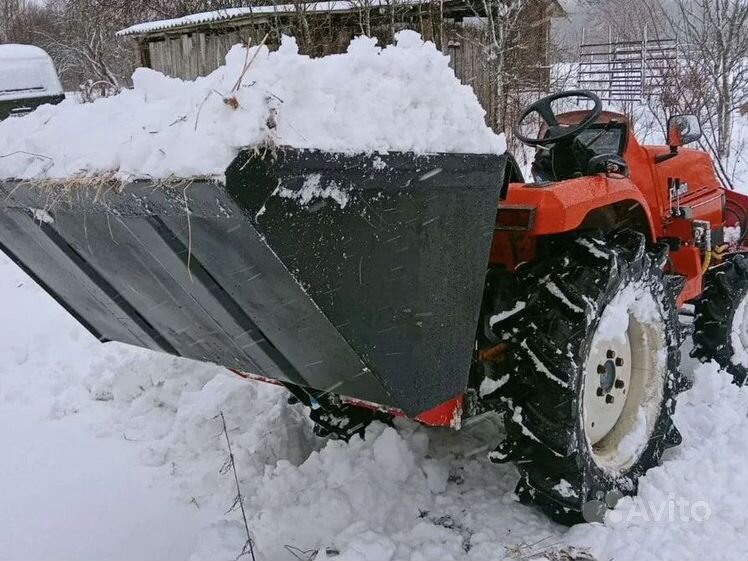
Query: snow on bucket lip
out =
(403, 97)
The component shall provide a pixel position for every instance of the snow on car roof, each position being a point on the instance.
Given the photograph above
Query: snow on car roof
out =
(237, 13)
(27, 72)
(22, 52)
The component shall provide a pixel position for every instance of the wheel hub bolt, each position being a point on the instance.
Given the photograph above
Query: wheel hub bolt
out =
(619, 361)
(620, 384)
(609, 399)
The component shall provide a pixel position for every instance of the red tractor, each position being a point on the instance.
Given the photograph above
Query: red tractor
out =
(605, 219)
(369, 310)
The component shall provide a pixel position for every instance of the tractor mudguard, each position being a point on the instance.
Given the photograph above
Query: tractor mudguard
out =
(564, 206)
(358, 275)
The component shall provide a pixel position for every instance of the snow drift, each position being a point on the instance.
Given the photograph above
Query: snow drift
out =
(418, 493)
(403, 97)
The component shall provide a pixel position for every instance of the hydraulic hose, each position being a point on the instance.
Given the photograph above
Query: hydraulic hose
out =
(706, 228)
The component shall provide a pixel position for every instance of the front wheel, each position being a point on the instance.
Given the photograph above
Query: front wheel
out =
(594, 377)
(721, 319)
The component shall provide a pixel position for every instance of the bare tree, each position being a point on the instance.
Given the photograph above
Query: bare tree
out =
(709, 78)
(20, 20)
(84, 46)
(11, 12)
(716, 33)
(500, 37)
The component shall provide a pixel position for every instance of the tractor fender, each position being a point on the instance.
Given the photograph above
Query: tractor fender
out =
(570, 205)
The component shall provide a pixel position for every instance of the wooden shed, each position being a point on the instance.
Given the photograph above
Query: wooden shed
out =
(195, 45)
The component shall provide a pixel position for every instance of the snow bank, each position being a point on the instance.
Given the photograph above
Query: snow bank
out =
(693, 506)
(399, 98)
(398, 494)
(414, 493)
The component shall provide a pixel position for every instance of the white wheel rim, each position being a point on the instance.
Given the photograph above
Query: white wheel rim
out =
(607, 379)
(624, 382)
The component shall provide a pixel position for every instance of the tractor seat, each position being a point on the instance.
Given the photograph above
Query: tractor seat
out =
(564, 160)
(596, 150)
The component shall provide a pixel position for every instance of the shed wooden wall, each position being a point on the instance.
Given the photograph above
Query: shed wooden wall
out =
(188, 54)
(193, 55)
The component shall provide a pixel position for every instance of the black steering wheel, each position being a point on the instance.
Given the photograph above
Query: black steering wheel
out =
(556, 131)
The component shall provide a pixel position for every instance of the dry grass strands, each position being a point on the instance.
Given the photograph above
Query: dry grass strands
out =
(78, 189)
(231, 100)
(68, 190)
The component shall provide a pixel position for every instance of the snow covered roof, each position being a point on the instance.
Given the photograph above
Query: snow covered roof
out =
(249, 12)
(229, 14)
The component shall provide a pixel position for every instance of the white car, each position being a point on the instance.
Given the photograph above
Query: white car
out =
(27, 80)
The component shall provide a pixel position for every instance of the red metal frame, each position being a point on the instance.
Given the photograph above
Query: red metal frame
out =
(448, 414)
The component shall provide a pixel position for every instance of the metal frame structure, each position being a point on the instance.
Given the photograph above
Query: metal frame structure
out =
(626, 70)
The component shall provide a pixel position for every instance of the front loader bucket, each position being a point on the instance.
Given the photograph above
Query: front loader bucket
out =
(359, 275)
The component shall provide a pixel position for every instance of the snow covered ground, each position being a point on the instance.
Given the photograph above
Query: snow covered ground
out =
(111, 452)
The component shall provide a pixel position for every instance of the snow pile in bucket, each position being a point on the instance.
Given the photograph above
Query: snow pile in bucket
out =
(399, 98)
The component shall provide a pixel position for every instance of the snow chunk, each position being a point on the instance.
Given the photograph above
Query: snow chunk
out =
(566, 489)
(403, 97)
(437, 475)
(312, 190)
(488, 386)
(732, 234)
(498, 318)
(379, 164)
(41, 215)
(556, 291)
(541, 367)
(633, 299)
(361, 544)
(593, 249)
(392, 454)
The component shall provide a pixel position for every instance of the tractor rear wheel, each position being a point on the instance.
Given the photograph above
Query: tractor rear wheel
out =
(721, 321)
(594, 374)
